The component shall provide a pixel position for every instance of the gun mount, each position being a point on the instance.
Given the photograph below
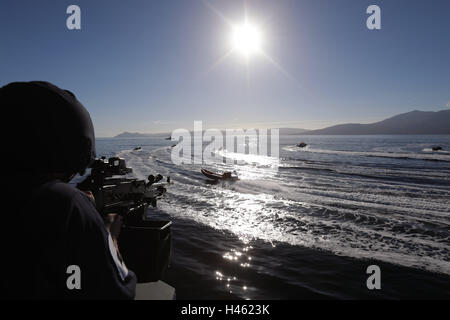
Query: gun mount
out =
(145, 244)
(115, 193)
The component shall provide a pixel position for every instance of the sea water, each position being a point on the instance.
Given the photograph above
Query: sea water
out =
(308, 226)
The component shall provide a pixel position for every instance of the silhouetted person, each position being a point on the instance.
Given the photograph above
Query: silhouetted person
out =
(226, 175)
(52, 227)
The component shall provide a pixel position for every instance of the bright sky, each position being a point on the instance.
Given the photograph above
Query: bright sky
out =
(152, 66)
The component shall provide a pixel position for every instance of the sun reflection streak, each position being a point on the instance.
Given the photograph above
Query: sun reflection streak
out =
(274, 63)
(219, 61)
(231, 283)
(217, 12)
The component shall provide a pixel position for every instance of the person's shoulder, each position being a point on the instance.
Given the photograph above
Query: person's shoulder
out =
(65, 197)
(60, 187)
(62, 191)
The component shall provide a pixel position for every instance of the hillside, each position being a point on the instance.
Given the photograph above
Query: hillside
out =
(414, 122)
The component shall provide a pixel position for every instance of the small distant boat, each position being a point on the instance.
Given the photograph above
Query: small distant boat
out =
(301, 145)
(216, 176)
(436, 148)
(137, 148)
(169, 138)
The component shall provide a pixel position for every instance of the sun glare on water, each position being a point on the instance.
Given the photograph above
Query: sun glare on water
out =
(246, 39)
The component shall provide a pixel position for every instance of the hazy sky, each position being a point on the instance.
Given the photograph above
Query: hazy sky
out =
(153, 66)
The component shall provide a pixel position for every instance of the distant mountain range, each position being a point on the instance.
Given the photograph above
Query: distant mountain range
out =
(291, 131)
(130, 135)
(414, 122)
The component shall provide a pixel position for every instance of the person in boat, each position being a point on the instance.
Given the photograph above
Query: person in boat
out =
(54, 244)
(226, 175)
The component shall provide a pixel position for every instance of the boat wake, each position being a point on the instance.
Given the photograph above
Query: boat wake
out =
(397, 214)
(435, 156)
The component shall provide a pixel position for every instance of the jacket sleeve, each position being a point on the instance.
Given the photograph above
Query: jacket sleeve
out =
(103, 273)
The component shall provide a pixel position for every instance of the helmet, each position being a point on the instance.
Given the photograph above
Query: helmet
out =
(51, 131)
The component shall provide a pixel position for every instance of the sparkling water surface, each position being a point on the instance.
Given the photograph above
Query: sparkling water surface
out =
(309, 225)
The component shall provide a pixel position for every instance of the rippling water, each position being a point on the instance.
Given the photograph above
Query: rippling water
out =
(309, 227)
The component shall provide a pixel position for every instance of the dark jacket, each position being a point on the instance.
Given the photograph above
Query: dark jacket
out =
(51, 227)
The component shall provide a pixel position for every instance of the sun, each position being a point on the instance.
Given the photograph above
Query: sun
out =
(246, 39)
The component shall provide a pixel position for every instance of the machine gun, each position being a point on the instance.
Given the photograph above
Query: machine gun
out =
(115, 193)
(145, 244)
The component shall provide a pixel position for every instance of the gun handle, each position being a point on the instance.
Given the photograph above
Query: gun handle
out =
(86, 185)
